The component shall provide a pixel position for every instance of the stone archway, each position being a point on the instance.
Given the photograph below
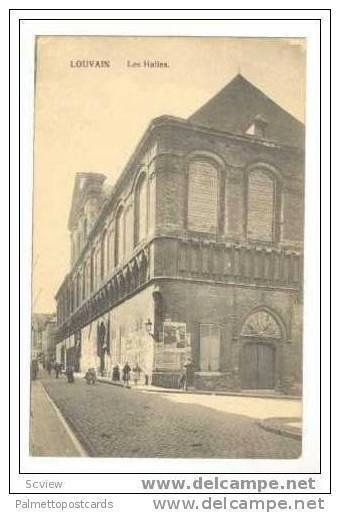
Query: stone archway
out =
(260, 339)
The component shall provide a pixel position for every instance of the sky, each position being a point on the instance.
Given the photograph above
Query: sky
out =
(91, 119)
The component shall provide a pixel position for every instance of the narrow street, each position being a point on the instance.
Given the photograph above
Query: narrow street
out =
(111, 421)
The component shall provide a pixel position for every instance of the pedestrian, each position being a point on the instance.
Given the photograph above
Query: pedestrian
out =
(136, 373)
(49, 366)
(181, 381)
(91, 376)
(57, 368)
(115, 373)
(70, 374)
(126, 374)
(188, 371)
(34, 369)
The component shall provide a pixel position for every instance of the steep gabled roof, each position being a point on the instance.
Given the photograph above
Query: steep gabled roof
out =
(236, 106)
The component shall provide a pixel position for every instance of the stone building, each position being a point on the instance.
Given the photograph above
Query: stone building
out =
(196, 251)
(43, 336)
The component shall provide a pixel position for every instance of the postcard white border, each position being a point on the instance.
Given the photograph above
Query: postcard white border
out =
(309, 462)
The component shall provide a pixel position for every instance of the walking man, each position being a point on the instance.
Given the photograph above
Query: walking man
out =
(126, 374)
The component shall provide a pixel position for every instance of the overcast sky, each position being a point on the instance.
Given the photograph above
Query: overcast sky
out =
(91, 119)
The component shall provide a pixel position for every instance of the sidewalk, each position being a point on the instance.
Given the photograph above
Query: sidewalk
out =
(49, 433)
(286, 426)
(265, 394)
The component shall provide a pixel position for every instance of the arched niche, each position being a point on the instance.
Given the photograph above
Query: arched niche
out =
(261, 337)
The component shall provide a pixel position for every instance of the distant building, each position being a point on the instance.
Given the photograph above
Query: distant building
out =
(43, 336)
(196, 251)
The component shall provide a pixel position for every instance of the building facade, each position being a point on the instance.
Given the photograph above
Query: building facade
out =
(196, 251)
(43, 337)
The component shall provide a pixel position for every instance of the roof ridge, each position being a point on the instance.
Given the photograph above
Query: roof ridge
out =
(240, 78)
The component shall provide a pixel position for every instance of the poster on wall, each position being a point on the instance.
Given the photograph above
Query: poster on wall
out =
(174, 333)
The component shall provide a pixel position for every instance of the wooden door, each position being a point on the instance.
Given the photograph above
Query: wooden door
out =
(209, 347)
(265, 366)
(258, 366)
(249, 366)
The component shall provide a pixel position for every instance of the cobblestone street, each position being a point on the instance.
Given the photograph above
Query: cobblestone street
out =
(112, 421)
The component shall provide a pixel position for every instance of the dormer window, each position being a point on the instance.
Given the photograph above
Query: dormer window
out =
(258, 128)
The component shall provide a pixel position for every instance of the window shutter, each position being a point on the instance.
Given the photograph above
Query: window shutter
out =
(260, 206)
(210, 343)
(203, 197)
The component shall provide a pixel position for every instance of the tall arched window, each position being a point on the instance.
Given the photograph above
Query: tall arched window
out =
(108, 251)
(98, 259)
(203, 191)
(78, 244)
(78, 289)
(141, 209)
(261, 205)
(92, 271)
(128, 230)
(102, 256)
(119, 237)
(83, 295)
(85, 230)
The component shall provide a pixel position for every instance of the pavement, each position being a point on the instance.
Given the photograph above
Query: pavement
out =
(244, 393)
(286, 426)
(113, 421)
(49, 435)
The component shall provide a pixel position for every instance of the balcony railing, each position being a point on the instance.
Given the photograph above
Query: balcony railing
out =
(247, 263)
(122, 284)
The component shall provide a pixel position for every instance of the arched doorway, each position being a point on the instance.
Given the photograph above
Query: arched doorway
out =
(259, 340)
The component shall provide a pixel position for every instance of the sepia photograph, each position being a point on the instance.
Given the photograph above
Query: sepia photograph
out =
(167, 247)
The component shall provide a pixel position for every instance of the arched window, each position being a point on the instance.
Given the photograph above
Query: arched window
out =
(92, 272)
(128, 231)
(78, 290)
(97, 266)
(75, 292)
(261, 206)
(109, 247)
(102, 256)
(71, 297)
(85, 229)
(84, 282)
(119, 237)
(141, 209)
(78, 244)
(203, 192)
(73, 248)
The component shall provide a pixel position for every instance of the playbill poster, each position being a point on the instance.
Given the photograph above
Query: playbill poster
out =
(167, 297)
